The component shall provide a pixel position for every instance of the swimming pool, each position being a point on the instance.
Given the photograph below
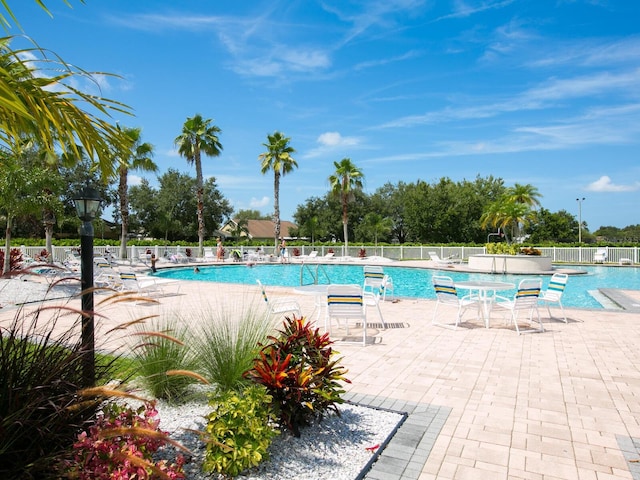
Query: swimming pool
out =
(408, 282)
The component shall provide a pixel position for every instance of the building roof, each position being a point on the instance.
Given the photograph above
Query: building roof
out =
(261, 228)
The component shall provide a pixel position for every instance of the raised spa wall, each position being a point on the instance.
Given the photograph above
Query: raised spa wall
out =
(509, 263)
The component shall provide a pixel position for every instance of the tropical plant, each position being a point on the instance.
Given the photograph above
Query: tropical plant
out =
(344, 181)
(15, 260)
(226, 342)
(161, 353)
(41, 371)
(199, 137)
(45, 109)
(239, 430)
(139, 158)
(300, 374)
(121, 444)
(277, 158)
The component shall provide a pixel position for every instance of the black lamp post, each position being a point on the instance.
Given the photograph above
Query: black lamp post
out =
(87, 204)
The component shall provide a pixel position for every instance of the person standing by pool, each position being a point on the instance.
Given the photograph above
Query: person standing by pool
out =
(219, 251)
(283, 250)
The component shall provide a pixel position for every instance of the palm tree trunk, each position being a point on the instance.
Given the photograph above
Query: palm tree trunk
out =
(200, 195)
(6, 267)
(276, 206)
(124, 212)
(345, 220)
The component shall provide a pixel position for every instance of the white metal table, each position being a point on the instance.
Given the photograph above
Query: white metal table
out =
(320, 293)
(486, 293)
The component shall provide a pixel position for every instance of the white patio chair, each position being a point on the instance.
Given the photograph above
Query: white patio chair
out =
(130, 282)
(600, 256)
(554, 291)
(443, 262)
(279, 305)
(373, 276)
(105, 275)
(209, 254)
(525, 299)
(446, 294)
(346, 302)
(377, 282)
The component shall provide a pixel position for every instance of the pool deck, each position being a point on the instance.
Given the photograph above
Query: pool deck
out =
(482, 403)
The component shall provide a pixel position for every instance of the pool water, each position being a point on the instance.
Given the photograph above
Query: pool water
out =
(408, 282)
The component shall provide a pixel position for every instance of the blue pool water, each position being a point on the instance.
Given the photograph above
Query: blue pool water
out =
(408, 282)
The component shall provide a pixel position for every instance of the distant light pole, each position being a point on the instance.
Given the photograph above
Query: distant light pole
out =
(580, 200)
(87, 204)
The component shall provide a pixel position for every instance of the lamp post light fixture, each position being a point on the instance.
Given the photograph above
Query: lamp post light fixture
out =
(87, 203)
(580, 200)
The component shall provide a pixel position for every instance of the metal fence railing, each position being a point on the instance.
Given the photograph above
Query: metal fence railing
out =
(615, 255)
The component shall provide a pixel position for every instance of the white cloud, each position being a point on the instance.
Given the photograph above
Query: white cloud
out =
(259, 202)
(604, 184)
(334, 139)
(330, 142)
(133, 180)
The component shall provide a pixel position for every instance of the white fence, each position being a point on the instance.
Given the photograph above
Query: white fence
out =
(397, 252)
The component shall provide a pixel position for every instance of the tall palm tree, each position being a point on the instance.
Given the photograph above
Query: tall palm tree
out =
(277, 158)
(525, 194)
(199, 136)
(139, 158)
(344, 181)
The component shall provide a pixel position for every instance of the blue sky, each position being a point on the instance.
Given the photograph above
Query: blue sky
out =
(545, 92)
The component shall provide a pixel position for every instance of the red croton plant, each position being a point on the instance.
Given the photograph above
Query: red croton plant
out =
(298, 369)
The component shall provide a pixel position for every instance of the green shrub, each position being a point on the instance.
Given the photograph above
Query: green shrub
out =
(299, 372)
(503, 248)
(239, 430)
(40, 409)
(227, 342)
(163, 350)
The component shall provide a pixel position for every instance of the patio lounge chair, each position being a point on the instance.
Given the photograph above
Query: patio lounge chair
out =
(446, 294)
(345, 302)
(442, 262)
(309, 258)
(281, 305)
(600, 256)
(553, 293)
(105, 275)
(130, 282)
(525, 299)
(209, 254)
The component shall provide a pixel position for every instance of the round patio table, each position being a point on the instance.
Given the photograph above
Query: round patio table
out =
(486, 293)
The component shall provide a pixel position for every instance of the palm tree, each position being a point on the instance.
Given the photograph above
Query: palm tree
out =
(199, 136)
(525, 194)
(47, 109)
(277, 158)
(346, 178)
(377, 225)
(139, 158)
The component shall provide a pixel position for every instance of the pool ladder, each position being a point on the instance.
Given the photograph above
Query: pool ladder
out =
(314, 273)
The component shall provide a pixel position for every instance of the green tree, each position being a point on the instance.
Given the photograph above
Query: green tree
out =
(375, 226)
(139, 158)
(277, 158)
(559, 227)
(346, 178)
(22, 191)
(199, 137)
(525, 194)
(217, 207)
(249, 215)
